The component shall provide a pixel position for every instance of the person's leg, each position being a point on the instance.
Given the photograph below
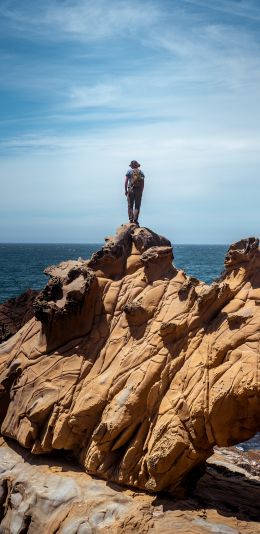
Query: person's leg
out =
(137, 198)
(130, 201)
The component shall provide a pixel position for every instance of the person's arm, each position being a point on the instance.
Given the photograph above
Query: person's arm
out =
(126, 183)
(143, 182)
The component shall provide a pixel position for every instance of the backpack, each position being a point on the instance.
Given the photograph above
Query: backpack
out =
(136, 178)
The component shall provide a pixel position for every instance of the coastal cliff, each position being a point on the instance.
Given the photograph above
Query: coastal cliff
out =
(135, 368)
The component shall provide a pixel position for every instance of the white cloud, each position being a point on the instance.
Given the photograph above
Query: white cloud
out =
(94, 96)
(211, 56)
(124, 138)
(248, 9)
(197, 188)
(84, 20)
(182, 97)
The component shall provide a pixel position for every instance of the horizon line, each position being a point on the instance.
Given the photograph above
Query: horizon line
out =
(91, 243)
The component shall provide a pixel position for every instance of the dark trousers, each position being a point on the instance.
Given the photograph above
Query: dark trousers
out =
(134, 197)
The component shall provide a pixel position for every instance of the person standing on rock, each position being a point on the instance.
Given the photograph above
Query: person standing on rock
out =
(134, 186)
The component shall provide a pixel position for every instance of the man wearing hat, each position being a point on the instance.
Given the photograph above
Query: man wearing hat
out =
(134, 185)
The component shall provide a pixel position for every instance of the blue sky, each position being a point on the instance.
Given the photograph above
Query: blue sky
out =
(88, 85)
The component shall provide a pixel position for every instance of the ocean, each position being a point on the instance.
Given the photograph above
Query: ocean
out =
(22, 265)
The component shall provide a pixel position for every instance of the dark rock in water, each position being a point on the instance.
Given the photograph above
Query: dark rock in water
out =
(16, 312)
(251, 444)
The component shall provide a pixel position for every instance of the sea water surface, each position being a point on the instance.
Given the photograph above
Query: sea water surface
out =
(22, 265)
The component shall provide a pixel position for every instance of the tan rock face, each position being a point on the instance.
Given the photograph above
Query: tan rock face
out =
(135, 367)
(44, 495)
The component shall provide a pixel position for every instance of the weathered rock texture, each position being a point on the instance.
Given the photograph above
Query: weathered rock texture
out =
(46, 495)
(16, 312)
(136, 368)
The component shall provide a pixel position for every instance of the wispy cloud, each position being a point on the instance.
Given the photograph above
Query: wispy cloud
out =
(189, 180)
(200, 53)
(94, 96)
(88, 85)
(205, 148)
(242, 8)
(84, 20)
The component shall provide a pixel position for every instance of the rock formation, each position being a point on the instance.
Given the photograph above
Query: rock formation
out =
(48, 495)
(135, 368)
(15, 312)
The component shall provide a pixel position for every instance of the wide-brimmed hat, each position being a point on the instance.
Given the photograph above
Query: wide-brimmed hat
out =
(134, 163)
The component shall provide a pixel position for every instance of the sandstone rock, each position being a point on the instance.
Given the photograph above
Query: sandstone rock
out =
(135, 368)
(15, 312)
(47, 495)
(241, 252)
(65, 307)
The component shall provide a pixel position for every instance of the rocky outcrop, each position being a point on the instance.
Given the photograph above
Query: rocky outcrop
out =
(135, 368)
(46, 495)
(16, 312)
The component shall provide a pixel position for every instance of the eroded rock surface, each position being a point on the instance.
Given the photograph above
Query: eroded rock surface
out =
(134, 367)
(42, 494)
